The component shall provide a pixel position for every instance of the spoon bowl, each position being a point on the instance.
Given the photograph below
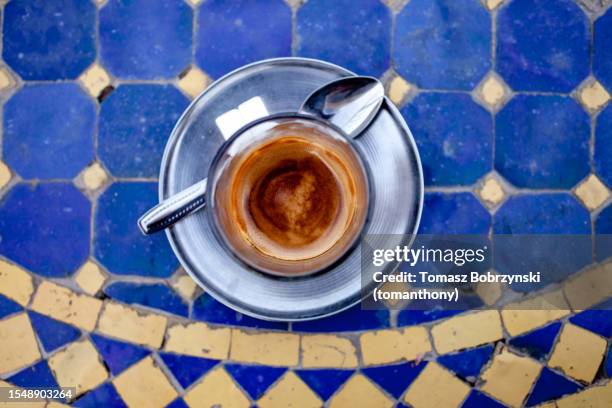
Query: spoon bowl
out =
(349, 103)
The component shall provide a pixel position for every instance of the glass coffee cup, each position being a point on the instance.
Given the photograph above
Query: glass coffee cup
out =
(288, 195)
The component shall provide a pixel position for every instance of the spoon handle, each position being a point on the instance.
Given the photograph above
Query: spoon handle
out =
(173, 209)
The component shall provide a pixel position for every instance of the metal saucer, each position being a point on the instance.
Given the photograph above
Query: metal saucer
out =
(387, 148)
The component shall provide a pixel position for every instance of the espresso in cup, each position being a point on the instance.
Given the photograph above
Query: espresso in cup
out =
(291, 196)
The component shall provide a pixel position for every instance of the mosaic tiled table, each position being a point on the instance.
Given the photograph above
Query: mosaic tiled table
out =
(508, 102)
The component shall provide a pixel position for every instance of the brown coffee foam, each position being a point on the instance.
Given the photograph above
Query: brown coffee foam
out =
(295, 197)
(299, 196)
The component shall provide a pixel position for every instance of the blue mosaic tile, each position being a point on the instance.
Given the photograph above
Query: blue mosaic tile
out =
(352, 319)
(598, 319)
(187, 369)
(135, 123)
(324, 382)
(449, 213)
(414, 317)
(477, 399)
(52, 334)
(542, 45)
(116, 354)
(443, 44)
(104, 396)
(467, 364)
(140, 39)
(177, 403)
(395, 378)
(8, 307)
(537, 343)
(602, 54)
(118, 244)
(603, 234)
(551, 213)
(603, 145)
(156, 295)
(38, 222)
(208, 309)
(542, 142)
(60, 148)
(232, 34)
(48, 40)
(355, 34)
(549, 386)
(255, 380)
(38, 375)
(608, 364)
(454, 136)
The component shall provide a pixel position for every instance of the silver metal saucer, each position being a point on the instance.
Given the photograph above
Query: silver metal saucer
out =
(387, 148)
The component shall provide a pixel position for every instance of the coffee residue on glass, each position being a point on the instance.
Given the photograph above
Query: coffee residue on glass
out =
(296, 201)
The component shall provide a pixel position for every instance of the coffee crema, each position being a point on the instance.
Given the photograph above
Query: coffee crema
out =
(292, 201)
(295, 199)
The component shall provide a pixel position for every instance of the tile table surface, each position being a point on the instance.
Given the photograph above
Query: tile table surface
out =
(509, 103)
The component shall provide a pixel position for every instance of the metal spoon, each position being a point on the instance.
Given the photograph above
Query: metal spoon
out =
(349, 103)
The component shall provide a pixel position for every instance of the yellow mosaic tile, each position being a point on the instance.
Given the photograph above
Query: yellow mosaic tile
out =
(323, 350)
(493, 4)
(387, 346)
(5, 174)
(132, 325)
(15, 404)
(19, 347)
(145, 385)
(589, 287)
(185, 286)
(510, 377)
(79, 366)
(54, 404)
(492, 91)
(217, 389)
(6, 79)
(90, 278)
(94, 176)
(578, 353)
(529, 314)
(194, 3)
(436, 387)
(593, 95)
(95, 79)
(63, 304)
(491, 192)
(194, 82)
(15, 283)
(359, 392)
(395, 287)
(280, 349)
(396, 5)
(592, 192)
(599, 396)
(398, 89)
(199, 339)
(289, 391)
(490, 293)
(468, 330)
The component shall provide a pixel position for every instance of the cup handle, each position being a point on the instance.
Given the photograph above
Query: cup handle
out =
(173, 209)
